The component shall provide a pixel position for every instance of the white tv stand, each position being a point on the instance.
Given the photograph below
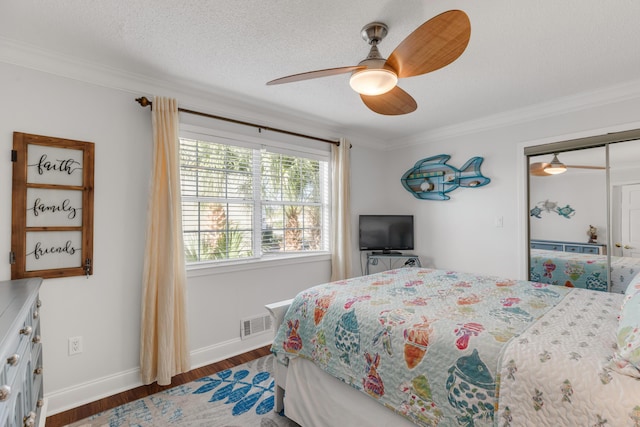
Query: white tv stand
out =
(391, 260)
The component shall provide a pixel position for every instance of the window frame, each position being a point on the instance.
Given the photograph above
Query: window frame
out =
(258, 144)
(51, 231)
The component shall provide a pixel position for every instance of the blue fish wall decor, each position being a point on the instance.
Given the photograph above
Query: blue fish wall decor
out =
(432, 178)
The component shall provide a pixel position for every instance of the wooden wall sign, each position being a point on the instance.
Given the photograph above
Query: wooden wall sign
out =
(52, 207)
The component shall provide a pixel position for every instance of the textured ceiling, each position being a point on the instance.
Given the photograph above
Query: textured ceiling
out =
(521, 53)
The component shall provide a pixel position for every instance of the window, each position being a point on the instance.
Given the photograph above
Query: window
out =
(241, 201)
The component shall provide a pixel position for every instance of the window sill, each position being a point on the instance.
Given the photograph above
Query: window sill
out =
(221, 267)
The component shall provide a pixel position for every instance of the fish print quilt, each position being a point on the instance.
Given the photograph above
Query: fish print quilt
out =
(575, 270)
(587, 271)
(425, 343)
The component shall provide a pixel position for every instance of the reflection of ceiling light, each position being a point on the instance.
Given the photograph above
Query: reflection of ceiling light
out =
(373, 81)
(555, 167)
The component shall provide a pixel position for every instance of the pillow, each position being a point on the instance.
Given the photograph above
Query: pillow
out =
(634, 286)
(626, 358)
(632, 289)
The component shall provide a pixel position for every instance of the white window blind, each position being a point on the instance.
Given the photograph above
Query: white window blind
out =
(240, 202)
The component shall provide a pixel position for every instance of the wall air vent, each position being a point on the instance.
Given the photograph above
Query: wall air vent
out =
(255, 325)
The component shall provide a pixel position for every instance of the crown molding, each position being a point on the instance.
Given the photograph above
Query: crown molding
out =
(569, 104)
(214, 101)
(191, 95)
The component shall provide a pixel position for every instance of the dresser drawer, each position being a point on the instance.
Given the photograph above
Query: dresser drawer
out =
(35, 384)
(573, 248)
(590, 250)
(36, 342)
(19, 347)
(546, 246)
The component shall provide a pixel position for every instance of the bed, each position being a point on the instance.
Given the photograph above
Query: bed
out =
(417, 346)
(587, 271)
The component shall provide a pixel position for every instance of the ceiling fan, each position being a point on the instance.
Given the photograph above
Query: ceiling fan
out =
(433, 45)
(555, 167)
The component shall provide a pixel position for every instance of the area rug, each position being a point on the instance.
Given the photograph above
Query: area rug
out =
(238, 397)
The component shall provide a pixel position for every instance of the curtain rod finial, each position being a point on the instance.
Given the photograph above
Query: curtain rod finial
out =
(143, 101)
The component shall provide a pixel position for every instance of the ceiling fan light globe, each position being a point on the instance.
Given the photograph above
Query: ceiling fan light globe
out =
(373, 81)
(555, 169)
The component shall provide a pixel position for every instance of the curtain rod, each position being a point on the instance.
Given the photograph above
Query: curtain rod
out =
(144, 102)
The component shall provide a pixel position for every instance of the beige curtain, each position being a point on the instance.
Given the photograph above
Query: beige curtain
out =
(164, 349)
(340, 211)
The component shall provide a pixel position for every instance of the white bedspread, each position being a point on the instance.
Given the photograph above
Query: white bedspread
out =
(556, 370)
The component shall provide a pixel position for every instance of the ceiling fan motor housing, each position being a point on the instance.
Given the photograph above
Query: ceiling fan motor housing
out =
(374, 32)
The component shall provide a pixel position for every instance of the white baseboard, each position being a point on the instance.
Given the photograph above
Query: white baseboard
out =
(215, 353)
(81, 394)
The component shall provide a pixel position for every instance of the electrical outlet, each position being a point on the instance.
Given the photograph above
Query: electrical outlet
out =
(75, 345)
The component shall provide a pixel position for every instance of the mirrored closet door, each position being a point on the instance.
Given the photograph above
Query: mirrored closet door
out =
(624, 179)
(584, 212)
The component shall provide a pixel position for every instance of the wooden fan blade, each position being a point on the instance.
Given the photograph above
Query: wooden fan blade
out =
(393, 103)
(433, 45)
(315, 74)
(537, 169)
(586, 167)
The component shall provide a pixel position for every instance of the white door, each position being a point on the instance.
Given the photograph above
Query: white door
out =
(630, 221)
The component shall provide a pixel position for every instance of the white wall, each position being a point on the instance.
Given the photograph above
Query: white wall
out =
(460, 233)
(103, 309)
(585, 192)
(369, 176)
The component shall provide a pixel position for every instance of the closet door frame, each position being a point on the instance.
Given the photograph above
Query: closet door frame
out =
(603, 140)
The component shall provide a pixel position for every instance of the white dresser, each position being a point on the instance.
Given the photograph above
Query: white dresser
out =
(21, 398)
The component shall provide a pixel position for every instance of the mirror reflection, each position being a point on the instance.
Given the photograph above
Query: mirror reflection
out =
(584, 224)
(568, 218)
(624, 176)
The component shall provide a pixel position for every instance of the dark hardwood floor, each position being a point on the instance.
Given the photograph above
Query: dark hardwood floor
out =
(84, 411)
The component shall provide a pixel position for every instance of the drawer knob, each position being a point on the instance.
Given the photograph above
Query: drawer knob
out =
(39, 303)
(36, 314)
(40, 403)
(5, 392)
(26, 330)
(36, 339)
(38, 370)
(13, 360)
(30, 419)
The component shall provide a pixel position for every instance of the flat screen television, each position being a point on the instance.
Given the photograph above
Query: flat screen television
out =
(386, 233)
